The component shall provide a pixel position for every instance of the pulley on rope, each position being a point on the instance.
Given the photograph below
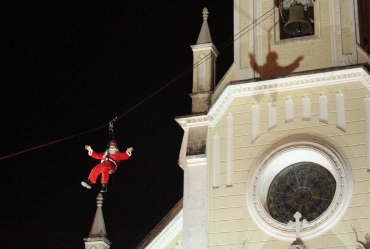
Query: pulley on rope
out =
(111, 136)
(110, 132)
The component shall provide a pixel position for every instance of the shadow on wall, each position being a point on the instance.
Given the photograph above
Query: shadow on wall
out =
(271, 68)
(365, 244)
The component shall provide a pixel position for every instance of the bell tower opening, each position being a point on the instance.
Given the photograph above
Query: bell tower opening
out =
(296, 18)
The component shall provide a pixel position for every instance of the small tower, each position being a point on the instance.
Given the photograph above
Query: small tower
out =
(204, 70)
(98, 235)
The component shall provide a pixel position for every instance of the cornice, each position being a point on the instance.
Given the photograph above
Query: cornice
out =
(196, 160)
(168, 233)
(266, 169)
(255, 86)
(98, 239)
(293, 82)
(193, 121)
(205, 46)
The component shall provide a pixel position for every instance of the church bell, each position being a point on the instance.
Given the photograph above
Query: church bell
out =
(297, 24)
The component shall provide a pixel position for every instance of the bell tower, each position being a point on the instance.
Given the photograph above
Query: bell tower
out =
(204, 68)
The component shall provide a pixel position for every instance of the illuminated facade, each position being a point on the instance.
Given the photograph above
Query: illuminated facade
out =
(286, 130)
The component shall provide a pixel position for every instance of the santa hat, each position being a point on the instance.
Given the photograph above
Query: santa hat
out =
(113, 143)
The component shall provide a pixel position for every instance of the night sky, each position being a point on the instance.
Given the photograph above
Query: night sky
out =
(69, 67)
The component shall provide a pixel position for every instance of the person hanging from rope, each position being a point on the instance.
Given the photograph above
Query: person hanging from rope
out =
(108, 165)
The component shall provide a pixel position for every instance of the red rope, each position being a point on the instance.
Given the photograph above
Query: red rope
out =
(56, 141)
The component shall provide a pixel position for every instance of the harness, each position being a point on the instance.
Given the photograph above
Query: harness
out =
(108, 159)
(111, 137)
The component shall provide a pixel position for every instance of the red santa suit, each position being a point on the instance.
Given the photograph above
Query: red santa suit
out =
(108, 165)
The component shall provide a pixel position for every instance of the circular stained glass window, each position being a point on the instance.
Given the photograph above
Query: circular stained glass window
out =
(303, 187)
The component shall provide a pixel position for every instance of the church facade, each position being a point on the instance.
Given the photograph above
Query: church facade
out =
(277, 154)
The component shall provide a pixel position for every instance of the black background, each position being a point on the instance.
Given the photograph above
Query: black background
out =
(71, 66)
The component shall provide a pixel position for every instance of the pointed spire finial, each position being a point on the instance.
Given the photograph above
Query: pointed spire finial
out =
(98, 235)
(205, 13)
(98, 226)
(99, 200)
(204, 35)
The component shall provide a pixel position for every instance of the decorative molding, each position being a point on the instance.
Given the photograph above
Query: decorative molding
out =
(193, 121)
(306, 108)
(357, 32)
(333, 10)
(208, 149)
(239, 31)
(294, 82)
(340, 111)
(168, 233)
(340, 58)
(257, 35)
(283, 155)
(289, 110)
(196, 160)
(216, 160)
(255, 121)
(323, 108)
(272, 112)
(97, 242)
(353, 13)
(98, 239)
(206, 46)
(367, 123)
(229, 157)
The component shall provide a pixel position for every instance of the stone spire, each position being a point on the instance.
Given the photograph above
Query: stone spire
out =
(98, 235)
(204, 68)
(204, 35)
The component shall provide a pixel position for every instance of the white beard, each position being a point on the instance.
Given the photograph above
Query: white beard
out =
(112, 151)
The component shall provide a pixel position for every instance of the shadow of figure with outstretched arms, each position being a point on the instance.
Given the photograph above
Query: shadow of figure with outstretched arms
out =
(271, 67)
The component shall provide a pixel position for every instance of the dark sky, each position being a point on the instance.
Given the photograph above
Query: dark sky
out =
(71, 66)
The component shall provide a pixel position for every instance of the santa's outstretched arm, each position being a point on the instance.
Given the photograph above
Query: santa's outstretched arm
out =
(89, 149)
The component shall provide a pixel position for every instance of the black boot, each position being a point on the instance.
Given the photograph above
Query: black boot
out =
(86, 184)
(104, 188)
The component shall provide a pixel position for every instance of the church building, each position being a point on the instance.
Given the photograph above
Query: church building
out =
(277, 153)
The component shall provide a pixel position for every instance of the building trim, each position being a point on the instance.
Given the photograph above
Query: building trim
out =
(166, 230)
(291, 82)
(310, 149)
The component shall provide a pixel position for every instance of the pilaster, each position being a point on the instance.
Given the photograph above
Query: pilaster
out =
(194, 162)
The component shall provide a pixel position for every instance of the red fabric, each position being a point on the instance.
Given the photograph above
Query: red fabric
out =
(106, 167)
(102, 168)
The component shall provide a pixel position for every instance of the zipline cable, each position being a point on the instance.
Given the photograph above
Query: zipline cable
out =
(208, 56)
(222, 47)
(56, 141)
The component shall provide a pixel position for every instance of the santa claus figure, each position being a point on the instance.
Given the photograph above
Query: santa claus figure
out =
(108, 164)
